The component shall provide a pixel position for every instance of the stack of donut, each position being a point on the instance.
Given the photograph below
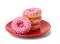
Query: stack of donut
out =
(34, 15)
(28, 22)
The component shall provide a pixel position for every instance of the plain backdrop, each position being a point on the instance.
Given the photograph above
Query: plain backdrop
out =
(10, 9)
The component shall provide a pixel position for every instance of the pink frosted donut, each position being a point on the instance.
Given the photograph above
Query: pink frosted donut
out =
(21, 25)
(35, 27)
(35, 20)
(32, 13)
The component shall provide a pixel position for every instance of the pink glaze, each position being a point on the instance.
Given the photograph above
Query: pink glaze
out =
(21, 25)
(35, 20)
(36, 26)
(31, 12)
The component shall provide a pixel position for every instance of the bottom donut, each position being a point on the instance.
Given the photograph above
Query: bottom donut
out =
(35, 27)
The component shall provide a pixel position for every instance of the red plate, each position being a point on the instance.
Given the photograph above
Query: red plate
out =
(44, 27)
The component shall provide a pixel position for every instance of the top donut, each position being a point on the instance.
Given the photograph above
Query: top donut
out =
(32, 13)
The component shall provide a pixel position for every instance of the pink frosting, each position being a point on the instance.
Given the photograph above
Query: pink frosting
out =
(36, 26)
(21, 25)
(35, 19)
(31, 11)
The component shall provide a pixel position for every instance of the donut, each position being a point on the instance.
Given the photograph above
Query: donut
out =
(21, 25)
(32, 13)
(35, 27)
(35, 20)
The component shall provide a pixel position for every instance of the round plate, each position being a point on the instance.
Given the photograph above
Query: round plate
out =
(44, 27)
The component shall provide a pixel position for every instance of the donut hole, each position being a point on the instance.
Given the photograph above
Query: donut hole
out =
(20, 24)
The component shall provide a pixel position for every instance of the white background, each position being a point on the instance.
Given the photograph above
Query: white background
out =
(10, 9)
